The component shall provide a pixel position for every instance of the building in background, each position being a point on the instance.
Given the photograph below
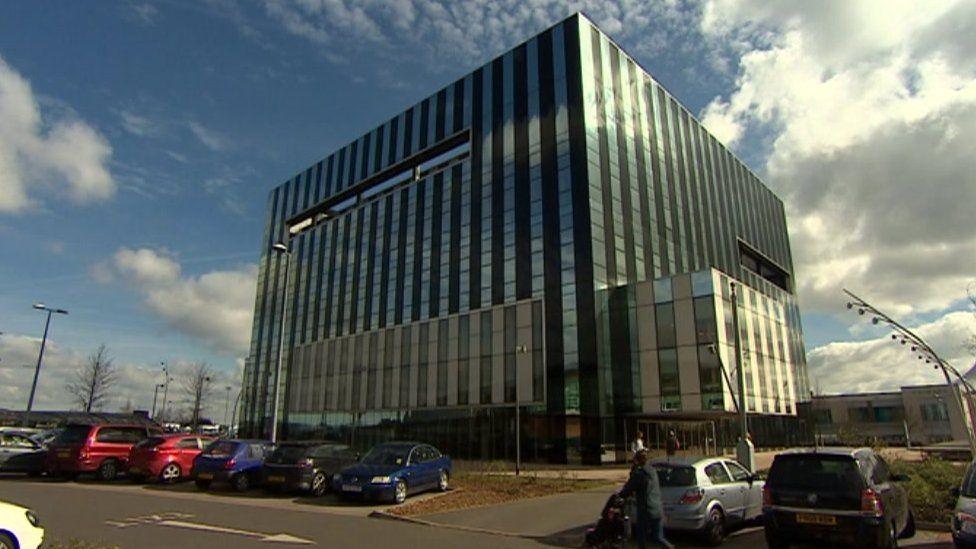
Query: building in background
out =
(553, 230)
(920, 414)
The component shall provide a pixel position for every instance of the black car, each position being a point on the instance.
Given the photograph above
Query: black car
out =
(841, 496)
(306, 466)
(20, 454)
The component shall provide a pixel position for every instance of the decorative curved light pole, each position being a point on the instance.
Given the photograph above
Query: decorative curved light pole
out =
(925, 353)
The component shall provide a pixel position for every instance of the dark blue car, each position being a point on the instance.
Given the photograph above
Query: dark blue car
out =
(236, 462)
(394, 470)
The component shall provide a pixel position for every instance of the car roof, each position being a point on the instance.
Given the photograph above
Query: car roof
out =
(311, 443)
(689, 461)
(827, 450)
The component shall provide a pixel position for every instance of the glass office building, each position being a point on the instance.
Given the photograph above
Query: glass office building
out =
(552, 231)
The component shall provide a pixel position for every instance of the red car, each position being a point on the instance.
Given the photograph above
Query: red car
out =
(101, 449)
(168, 458)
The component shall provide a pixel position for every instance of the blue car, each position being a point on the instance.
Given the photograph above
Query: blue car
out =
(235, 462)
(394, 470)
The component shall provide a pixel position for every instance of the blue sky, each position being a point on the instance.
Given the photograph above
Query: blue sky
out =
(186, 114)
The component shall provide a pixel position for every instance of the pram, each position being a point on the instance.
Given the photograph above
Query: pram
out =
(611, 530)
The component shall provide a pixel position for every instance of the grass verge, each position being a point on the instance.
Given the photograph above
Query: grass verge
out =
(474, 489)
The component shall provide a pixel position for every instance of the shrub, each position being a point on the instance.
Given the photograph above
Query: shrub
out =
(929, 485)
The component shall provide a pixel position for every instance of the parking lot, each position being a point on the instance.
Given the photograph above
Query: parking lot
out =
(120, 513)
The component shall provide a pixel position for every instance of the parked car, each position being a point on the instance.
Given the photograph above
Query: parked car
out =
(963, 524)
(835, 495)
(166, 458)
(19, 528)
(102, 449)
(20, 454)
(46, 437)
(394, 470)
(306, 466)
(707, 495)
(236, 462)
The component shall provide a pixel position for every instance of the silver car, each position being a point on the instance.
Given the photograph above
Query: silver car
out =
(707, 494)
(964, 514)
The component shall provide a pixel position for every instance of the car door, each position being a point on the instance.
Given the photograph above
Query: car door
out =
(723, 490)
(413, 473)
(750, 492)
(186, 449)
(6, 448)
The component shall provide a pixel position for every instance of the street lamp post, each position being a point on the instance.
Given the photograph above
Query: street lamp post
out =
(40, 355)
(226, 402)
(744, 450)
(155, 394)
(166, 378)
(280, 248)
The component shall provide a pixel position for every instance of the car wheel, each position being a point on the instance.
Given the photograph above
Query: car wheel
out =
(400, 492)
(203, 484)
(240, 482)
(108, 470)
(909, 530)
(715, 527)
(6, 542)
(442, 481)
(320, 484)
(171, 473)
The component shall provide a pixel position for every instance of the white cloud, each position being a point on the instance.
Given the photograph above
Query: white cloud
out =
(471, 31)
(210, 138)
(134, 381)
(870, 109)
(57, 153)
(883, 364)
(137, 124)
(215, 307)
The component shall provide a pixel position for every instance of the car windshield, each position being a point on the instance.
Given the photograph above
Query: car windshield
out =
(151, 442)
(969, 483)
(835, 473)
(387, 455)
(221, 449)
(675, 475)
(73, 434)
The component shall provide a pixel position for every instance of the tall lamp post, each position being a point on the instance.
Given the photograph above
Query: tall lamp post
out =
(156, 394)
(166, 380)
(744, 450)
(926, 353)
(40, 355)
(226, 403)
(283, 249)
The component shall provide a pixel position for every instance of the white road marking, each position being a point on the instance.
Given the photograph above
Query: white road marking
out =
(176, 520)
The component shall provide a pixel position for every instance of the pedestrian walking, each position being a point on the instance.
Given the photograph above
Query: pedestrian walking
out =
(638, 444)
(672, 445)
(644, 487)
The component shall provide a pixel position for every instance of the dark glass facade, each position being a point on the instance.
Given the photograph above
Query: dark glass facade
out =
(486, 248)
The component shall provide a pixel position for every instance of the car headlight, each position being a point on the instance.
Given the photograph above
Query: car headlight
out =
(32, 518)
(380, 480)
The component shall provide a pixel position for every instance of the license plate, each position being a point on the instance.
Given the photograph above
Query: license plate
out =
(205, 476)
(276, 478)
(64, 454)
(814, 518)
(351, 488)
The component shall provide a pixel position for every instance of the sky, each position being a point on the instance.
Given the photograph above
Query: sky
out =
(139, 140)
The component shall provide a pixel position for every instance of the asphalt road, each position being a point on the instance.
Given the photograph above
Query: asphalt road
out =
(151, 516)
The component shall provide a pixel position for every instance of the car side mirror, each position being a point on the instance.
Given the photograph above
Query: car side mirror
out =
(900, 477)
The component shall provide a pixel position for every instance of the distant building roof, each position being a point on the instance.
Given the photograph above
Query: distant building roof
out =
(16, 417)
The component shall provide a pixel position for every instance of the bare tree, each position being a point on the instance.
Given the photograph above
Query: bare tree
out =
(90, 388)
(197, 384)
